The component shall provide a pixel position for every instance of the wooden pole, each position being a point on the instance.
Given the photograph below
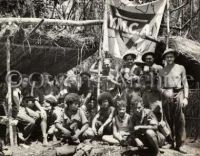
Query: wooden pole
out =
(168, 21)
(28, 21)
(9, 92)
(99, 73)
(191, 13)
(181, 17)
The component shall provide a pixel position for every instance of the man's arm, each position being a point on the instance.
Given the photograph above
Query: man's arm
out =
(62, 129)
(94, 122)
(58, 124)
(93, 69)
(185, 87)
(165, 92)
(37, 104)
(109, 120)
(185, 83)
(42, 111)
(113, 81)
(151, 120)
(140, 127)
(83, 129)
(16, 98)
(115, 131)
(85, 124)
(159, 84)
(87, 98)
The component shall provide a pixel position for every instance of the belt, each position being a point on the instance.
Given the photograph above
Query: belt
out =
(175, 89)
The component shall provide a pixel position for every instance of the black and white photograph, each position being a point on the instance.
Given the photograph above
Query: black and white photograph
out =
(99, 78)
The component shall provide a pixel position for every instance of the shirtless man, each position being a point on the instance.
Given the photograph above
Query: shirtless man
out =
(174, 88)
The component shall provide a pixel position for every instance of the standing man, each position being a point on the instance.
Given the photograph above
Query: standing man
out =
(151, 96)
(128, 59)
(131, 77)
(174, 88)
(108, 77)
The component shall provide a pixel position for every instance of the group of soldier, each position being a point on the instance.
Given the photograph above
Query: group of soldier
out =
(140, 105)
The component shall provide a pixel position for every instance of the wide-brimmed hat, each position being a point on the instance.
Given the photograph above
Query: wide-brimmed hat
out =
(127, 54)
(147, 53)
(170, 50)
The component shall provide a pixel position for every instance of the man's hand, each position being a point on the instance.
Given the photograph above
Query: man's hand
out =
(136, 128)
(75, 137)
(109, 78)
(95, 131)
(100, 131)
(168, 93)
(14, 122)
(185, 102)
(66, 132)
(139, 143)
(43, 113)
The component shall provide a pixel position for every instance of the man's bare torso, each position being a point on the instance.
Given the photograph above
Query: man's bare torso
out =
(172, 76)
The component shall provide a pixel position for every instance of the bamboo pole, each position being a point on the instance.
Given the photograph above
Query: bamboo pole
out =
(168, 21)
(28, 21)
(9, 92)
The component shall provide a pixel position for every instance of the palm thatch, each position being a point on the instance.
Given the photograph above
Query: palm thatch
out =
(189, 55)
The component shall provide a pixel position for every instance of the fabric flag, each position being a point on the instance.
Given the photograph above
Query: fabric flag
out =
(126, 23)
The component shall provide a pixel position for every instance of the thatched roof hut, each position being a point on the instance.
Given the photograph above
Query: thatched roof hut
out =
(189, 54)
(52, 50)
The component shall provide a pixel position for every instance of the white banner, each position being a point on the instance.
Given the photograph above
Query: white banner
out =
(124, 24)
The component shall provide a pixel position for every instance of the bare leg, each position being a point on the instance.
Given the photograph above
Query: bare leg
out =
(43, 125)
(28, 121)
(153, 142)
(110, 139)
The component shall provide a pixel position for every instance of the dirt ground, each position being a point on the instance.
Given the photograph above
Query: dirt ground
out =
(36, 149)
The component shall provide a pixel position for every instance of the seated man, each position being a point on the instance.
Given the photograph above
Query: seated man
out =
(90, 109)
(146, 129)
(72, 123)
(85, 90)
(121, 126)
(29, 111)
(102, 122)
